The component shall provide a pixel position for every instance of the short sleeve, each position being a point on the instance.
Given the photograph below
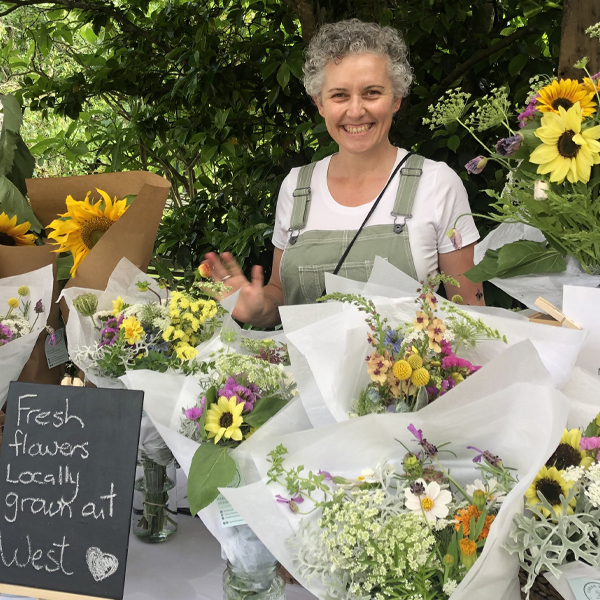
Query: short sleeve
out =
(452, 202)
(283, 212)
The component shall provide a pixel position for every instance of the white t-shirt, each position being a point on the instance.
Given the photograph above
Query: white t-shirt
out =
(440, 199)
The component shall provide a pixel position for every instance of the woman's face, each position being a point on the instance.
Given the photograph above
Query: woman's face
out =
(357, 102)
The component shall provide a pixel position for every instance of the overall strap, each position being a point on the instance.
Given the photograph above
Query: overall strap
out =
(301, 206)
(407, 190)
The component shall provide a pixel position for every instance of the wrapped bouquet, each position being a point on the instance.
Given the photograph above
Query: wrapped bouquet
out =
(374, 507)
(25, 301)
(416, 362)
(137, 323)
(563, 508)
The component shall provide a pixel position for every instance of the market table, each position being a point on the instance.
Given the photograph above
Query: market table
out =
(186, 567)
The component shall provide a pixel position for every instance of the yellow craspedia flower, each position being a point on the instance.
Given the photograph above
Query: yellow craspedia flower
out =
(13, 302)
(550, 483)
(133, 330)
(12, 234)
(23, 290)
(224, 419)
(565, 94)
(185, 352)
(420, 377)
(568, 452)
(566, 151)
(85, 224)
(415, 361)
(402, 370)
(117, 306)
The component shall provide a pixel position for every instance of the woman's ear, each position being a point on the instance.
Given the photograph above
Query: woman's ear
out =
(397, 103)
(317, 101)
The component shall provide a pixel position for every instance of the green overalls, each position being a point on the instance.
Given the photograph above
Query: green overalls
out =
(309, 255)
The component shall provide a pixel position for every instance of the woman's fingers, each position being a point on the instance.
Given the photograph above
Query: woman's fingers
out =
(258, 278)
(217, 269)
(231, 264)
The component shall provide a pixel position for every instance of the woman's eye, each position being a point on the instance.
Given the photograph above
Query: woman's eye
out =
(373, 93)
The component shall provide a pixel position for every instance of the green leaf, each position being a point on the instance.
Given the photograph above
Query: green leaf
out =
(211, 468)
(453, 143)
(12, 202)
(283, 75)
(517, 63)
(264, 409)
(63, 267)
(270, 69)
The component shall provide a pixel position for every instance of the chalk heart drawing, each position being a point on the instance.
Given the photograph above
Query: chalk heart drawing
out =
(101, 564)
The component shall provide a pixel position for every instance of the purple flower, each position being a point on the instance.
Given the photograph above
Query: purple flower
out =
(246, 394)
(448, 362)
(529, 113)
(417, 488)
(39, 307)
(393, 340)
(193, 413)
(5, 334)
(508, 146)
(293, 503)
(108, 335)
(589, 443)
(52, 340)
(455, 238)
(492, 459)
(476, 165)
(416, 432)
(327, 476)
(428, 448)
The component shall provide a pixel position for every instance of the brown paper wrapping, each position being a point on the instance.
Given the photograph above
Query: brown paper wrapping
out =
(16, 260)
(132, 236)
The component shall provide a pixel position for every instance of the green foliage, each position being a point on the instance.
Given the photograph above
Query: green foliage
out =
(211, 468)
(518, 258)
(210, 95)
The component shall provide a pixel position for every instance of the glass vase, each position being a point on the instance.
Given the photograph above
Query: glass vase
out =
(154, 512)
(262, 583)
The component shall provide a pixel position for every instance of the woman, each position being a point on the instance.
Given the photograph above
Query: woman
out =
(357, 74)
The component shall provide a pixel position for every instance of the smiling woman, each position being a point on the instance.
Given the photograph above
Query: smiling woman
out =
(370, 199)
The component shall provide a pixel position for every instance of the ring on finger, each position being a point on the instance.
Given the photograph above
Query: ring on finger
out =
(225, 278)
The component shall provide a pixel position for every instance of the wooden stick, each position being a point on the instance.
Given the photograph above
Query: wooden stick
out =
(549, 308)
(40, 594)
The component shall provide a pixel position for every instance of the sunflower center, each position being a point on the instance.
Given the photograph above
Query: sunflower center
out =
(226, 420)
(564, 102)
(427, 504)
(7, 240)
(566, 146)
(93, 229)
(551, 490)
(564, 456)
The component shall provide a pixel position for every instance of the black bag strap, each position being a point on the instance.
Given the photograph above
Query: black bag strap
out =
(375, 204)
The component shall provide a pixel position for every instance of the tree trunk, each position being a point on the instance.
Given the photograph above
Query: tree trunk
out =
(578, 15)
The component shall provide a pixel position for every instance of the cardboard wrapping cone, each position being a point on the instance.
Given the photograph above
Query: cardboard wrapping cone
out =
(16, 260)
(132, 236)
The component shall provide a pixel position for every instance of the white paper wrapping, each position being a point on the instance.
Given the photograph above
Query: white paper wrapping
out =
(80, 330)
(527, 288)
(165, 395)
(15, 354)
(328, 343)
(583, 390)
(522, 423)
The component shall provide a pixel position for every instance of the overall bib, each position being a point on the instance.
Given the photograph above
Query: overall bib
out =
(309, 255)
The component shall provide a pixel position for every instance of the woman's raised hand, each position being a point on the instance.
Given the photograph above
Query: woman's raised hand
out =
(252, 304)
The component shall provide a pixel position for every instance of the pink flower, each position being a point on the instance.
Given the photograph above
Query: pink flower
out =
(293, 503)
(476, 165)
(455, 238)
(589, 443)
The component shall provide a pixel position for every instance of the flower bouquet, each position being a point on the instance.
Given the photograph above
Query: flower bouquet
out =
(563, 506)
(328, 344)
(24, 303)
(416, 362)
(371, 508)
(137, 323)
(211, 421)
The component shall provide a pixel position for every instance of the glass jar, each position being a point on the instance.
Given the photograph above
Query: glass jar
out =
(154, 511)
(262, 583)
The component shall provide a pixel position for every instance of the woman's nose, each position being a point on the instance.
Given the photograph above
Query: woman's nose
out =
(355, 107)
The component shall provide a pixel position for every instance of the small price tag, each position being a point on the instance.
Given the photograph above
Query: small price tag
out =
(56, 354)
(228, 515)
(585, 588)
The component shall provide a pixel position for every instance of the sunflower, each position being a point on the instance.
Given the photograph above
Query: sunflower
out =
(565, 94)
(85, 224)
(566, 151)
(550, 482)
(224, 419)
(568, 453)
(12, 234)
(591, 85)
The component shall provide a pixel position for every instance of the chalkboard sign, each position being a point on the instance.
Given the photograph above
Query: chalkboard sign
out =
(67, 470)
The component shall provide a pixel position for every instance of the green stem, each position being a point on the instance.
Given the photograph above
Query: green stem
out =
(503, 162)
(453, 481)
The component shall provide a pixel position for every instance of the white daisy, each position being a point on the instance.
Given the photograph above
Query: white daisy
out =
(490, 489)
(432, 500)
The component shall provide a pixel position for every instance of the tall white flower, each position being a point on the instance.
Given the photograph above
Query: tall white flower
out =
(491, 489)
(429, 499)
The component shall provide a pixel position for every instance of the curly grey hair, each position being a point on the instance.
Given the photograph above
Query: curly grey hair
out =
(334, 41)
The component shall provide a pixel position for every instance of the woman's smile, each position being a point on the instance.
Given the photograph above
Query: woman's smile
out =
(356, 129)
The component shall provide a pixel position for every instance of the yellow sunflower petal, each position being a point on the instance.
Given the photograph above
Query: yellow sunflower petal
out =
(543, 154)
